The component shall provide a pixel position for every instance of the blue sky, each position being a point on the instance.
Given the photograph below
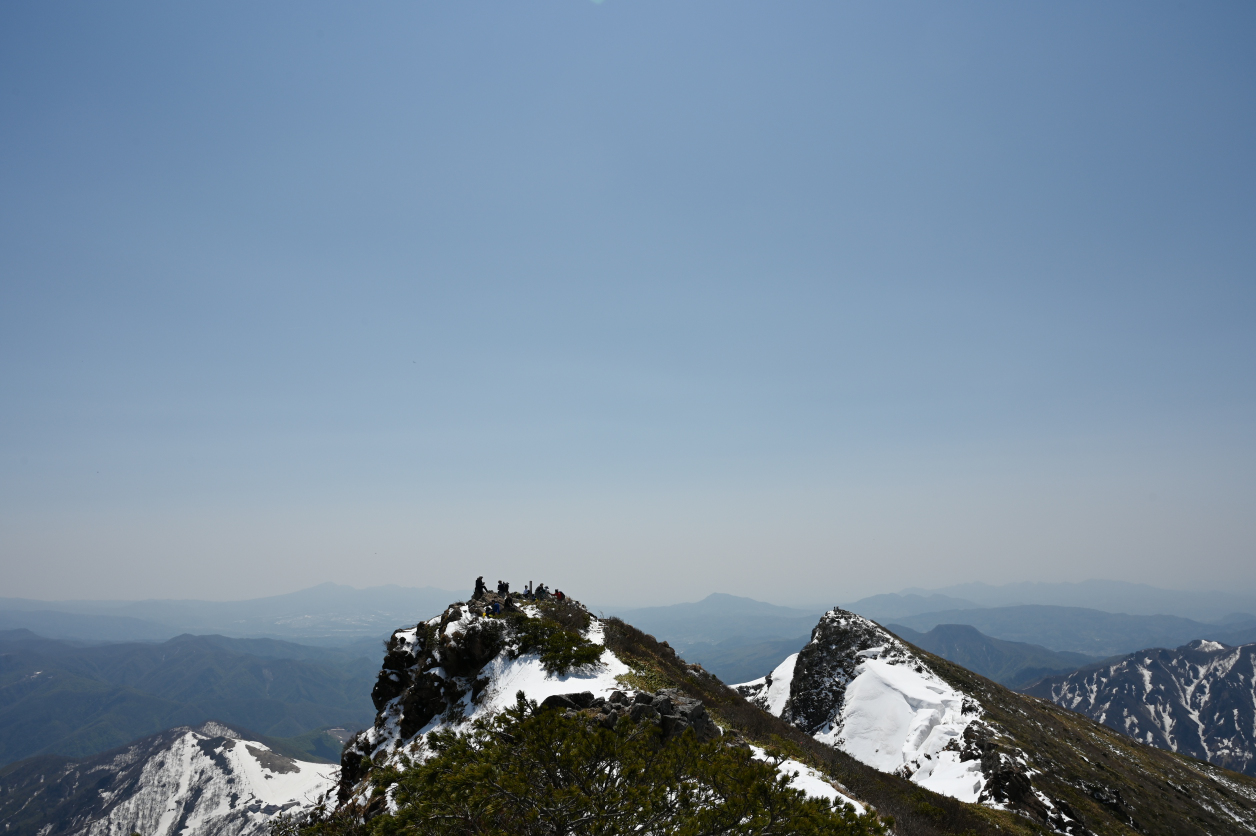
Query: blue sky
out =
(798, 301)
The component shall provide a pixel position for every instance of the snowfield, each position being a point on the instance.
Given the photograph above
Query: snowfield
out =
(210, 782)
(891, 713)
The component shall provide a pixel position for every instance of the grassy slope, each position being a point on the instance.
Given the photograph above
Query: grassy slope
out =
(1162, 792)
(916, 811)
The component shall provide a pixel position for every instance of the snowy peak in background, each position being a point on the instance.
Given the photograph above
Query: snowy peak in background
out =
(213, 780)
(1199, 699)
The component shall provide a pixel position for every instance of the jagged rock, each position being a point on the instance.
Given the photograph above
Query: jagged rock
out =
(671, 710)
(559, 701)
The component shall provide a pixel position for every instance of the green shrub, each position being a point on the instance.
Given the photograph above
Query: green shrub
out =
(560, 648)
(528, 773)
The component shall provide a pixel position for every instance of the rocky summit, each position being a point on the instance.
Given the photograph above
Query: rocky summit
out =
(858, 688)
(480, 657)
(904, 711)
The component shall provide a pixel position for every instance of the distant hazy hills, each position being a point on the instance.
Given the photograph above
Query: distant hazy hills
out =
(58, 698)
(326, 614)
(1106, 595)
(737, 639)
(740, 639)
(1080, 630)
(1014, 664)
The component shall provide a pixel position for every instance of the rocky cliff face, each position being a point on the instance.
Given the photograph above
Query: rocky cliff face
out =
(858, 688)
(467, 662)
(207, 781)
(1199, 699)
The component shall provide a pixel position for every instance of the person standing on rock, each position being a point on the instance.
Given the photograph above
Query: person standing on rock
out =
(480, 588)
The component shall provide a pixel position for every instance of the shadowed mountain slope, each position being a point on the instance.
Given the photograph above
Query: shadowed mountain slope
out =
(1014, 664)
(56, 698)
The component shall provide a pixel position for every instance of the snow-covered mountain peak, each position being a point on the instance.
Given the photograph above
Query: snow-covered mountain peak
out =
(211, 780)
(858, 688)
(1205, 645)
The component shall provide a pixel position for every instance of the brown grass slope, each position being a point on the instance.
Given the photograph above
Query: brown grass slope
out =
(916, 811)
(1117, 785)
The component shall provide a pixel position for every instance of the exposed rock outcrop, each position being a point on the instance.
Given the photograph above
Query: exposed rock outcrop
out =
(858, 688)
(671, 710)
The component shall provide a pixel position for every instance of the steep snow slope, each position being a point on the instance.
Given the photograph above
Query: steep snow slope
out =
(207, 781)
(859, 689)
(908, 712)
(1199, 699)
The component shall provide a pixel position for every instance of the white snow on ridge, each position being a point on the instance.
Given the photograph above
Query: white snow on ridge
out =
(209, 786)
(812, 783)
(898, 719)
(509, 676)
(896, 716)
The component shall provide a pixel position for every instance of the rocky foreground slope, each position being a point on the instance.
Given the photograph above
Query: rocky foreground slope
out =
(213, 780)
(468, 664)
(1199, 700)
(903, 711)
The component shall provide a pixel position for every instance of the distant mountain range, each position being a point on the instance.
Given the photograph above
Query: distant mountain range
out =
(882, 724)
(63, 699)
(734, 638)
(325, 614)
(739, 639)
(1080, 630)
(885, 608)
(1014, 664)
(1106, 595)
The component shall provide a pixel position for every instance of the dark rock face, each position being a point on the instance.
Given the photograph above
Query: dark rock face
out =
(1196, 700)
(409, 672)
(827, 665)
(427, 672)
(674, 712)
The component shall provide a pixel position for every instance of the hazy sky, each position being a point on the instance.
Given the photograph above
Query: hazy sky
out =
(800, 301)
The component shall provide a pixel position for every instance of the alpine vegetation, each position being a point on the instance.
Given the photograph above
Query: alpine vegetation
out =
(532, 770)
(914, 715)
(508, 714)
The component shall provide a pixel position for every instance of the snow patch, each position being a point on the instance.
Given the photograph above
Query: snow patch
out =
(907, 721)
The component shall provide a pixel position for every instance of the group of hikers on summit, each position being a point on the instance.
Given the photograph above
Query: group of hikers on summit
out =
(504, 598)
